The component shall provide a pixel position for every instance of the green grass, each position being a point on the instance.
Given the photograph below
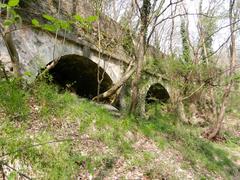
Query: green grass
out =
(13, 100)
(187, 140)
(65, 159)
(51, 103)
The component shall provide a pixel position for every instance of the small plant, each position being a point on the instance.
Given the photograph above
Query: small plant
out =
(55, 24)
(13, 17)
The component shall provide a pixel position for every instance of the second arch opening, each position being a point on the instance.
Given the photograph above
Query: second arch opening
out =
(157, 94)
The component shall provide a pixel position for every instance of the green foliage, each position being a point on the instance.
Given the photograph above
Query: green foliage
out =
(13, 3)
(13, 139)
(12, 176)
(49, 101)
(234, 101)
(232, 139)
(13, 100)
(186, 77)
(55, 161)
(35, 23)
(12, 16)
(10, 4)
(128, 45)
(85, 22)
(194, 149)
(51, 160)
(55, 24)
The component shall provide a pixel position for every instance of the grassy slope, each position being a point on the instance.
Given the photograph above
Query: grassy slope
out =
(46, 135)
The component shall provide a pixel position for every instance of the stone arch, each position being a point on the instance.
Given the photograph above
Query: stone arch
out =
(157, 93)
(144, 90)
(79, 75)
(37, 48)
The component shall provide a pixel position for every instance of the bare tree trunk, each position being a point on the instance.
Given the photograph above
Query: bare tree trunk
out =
(135, 82)
(99, 80)
(9, 43)
(233, 56)
(114, 10)
(1, 167)
(115, 88)
(140, 49)
(173, 12)
(181, 112)
(2, 171)
(13, 54)
(55, 59)
(220, 117)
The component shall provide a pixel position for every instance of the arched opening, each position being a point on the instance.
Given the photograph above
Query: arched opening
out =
(79, 75)
(157, 94)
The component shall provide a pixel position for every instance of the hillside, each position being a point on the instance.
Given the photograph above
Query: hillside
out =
(47, 135)
(135, 90)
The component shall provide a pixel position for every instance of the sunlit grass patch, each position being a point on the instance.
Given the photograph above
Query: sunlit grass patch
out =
(110, 138)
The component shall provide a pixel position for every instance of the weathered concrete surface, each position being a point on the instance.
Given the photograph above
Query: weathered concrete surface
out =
(112, 33)
(36, 49)
(4, 56)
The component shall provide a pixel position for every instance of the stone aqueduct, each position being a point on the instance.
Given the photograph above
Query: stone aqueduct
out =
(78, 59)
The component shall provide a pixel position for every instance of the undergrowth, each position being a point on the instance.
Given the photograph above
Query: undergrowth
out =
(49, 133)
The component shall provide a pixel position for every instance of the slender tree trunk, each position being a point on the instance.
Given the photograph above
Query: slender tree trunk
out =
(116, 86)
(173, 12)
(220, 117)
(9, 42)
(1, 167)
(99, 80)
(136, 80)
(3, 177)
(140, 49)
(233, 56)
(114, 10)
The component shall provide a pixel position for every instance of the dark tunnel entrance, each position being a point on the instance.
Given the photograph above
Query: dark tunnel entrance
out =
(79, 75)
(157, 94)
